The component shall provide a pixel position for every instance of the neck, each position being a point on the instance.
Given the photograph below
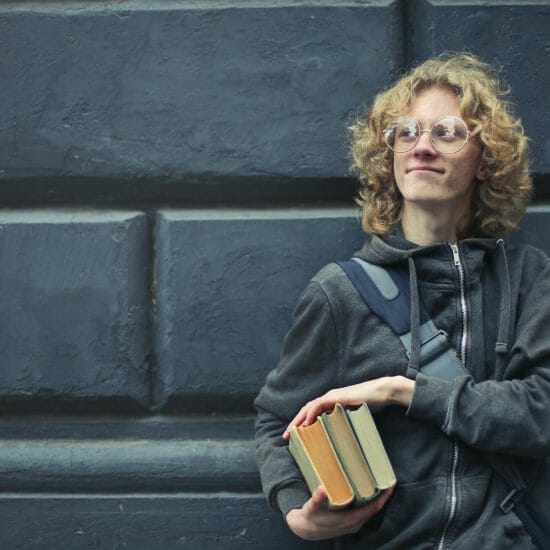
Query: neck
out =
(425, 226)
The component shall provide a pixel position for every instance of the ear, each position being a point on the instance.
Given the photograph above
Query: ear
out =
(481, 173)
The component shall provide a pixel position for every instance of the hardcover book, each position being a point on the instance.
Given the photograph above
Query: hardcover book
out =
(342, 450)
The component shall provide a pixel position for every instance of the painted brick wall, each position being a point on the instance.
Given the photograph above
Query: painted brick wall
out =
(171, 175)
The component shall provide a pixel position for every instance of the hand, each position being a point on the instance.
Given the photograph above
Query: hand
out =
(314, 522)
(379, 392)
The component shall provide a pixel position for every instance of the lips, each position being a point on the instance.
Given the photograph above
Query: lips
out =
(425, 169)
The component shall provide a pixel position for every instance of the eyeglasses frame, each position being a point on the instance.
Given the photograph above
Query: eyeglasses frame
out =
(468, 135)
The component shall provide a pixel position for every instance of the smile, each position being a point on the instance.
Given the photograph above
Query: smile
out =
(425, 169)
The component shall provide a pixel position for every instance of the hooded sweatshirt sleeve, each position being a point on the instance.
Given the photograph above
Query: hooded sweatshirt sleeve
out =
(308, 367)
(510, 413)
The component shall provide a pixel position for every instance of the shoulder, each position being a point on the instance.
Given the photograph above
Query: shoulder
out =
(330, 289)
(530, 259)
(526, 251)
(332, 281)
(329, 274)
(528, 270)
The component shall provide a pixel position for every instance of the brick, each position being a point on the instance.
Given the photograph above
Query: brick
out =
(74, 324)
(145, 522)
(511, 35)
(166, 89)
(533, 229)
(134, 465)
(226, 285)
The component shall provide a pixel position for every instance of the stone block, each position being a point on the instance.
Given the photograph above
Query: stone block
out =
(226, 284)
(534, 228)
(209, 521)
(147, 455)
(75, 309)
(510, 35)
(180, 90)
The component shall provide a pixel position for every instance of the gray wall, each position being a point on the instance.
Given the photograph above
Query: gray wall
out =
(171, 175)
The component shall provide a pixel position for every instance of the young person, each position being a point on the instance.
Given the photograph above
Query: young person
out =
(444, 173)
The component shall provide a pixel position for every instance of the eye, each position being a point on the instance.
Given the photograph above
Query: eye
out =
(460, 131)
(402, 134)
(450, 129)
(406, 130)
(444, 131)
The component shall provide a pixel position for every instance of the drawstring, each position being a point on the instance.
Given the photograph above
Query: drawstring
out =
(505, 291)
(501, 346)
(414, 356)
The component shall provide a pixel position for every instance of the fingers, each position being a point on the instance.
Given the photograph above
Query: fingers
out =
(318, 500)
(317, 503)
(317, 407)
(387, 493)
(379, 502)
(314, 522)
(378, 392)
(310, 411)
(298, 420)
(358, 516)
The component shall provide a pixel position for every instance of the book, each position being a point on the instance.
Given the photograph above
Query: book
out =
(343, 451)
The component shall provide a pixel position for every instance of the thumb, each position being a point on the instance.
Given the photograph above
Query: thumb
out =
(318, 500)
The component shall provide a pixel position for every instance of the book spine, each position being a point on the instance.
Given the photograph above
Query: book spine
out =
(309, 471)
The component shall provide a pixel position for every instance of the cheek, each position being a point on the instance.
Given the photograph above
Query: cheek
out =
(466, 172)
(397, 166)
(470, 165)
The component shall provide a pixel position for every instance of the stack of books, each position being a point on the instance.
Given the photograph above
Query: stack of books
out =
(342, 450)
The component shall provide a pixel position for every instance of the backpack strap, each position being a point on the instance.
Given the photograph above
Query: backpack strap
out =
(386, 291)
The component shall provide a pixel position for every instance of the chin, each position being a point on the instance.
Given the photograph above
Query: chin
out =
(427, 197)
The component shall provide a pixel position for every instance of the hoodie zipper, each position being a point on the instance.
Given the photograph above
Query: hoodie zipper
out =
(462, 356)
(464, 339)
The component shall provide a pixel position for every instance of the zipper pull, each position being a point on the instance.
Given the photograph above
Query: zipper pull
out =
(456, 256)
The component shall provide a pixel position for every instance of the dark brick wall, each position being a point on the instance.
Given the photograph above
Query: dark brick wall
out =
(171, 175)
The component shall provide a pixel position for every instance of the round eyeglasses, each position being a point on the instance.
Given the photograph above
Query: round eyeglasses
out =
(447, 135)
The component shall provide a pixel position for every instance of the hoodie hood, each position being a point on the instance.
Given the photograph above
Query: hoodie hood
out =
(394, 248)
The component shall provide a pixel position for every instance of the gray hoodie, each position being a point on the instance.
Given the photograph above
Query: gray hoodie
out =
(492, 301)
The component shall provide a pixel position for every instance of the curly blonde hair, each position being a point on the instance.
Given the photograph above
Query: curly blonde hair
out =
(500, 200)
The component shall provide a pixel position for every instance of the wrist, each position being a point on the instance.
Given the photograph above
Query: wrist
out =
(402, 390)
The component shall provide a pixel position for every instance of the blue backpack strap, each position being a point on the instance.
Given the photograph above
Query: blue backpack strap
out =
(386, 291)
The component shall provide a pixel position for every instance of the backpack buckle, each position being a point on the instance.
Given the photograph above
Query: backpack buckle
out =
(509, 502)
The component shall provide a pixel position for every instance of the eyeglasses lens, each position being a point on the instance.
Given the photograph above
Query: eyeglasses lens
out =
(447, 135)
(402, 134)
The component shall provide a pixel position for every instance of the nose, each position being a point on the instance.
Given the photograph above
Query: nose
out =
(424, 145)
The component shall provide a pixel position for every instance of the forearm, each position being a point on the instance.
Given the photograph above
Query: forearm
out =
(282, 482)
(401, 390)
(510, 416)
(378, 392)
